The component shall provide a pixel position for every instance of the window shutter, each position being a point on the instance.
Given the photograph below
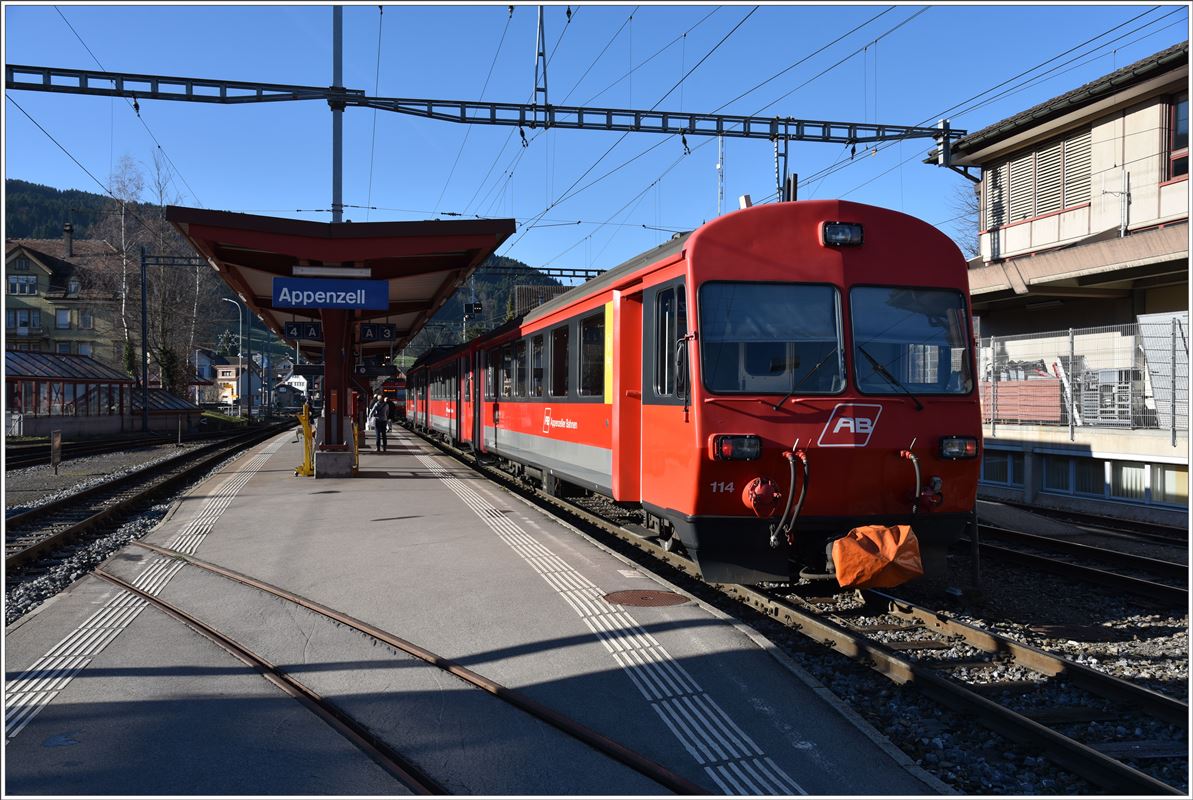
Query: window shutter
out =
(1077, 169)
(1048, 179)
(996, 197)
(1022, 187)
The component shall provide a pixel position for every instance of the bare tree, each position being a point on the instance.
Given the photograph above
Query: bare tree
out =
(966, 205)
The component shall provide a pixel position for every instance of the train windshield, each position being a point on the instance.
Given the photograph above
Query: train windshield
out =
(910, 340)
(771, 338)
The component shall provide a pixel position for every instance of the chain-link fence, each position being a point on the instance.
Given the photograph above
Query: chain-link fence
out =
(1120, 376)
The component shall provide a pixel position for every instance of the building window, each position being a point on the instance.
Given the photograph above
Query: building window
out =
(1002, 468)
(22, 318)
(1170, 484)
(1056, 474)
(22, 284)
(85, 348)
(86, 319)
(72, 286)
(1127, 480)
(63, 347)
(62, 319)
(1051, 178)
(1178, 137)
(22, 264)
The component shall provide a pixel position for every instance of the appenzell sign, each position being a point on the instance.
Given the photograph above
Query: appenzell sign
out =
(330, 293)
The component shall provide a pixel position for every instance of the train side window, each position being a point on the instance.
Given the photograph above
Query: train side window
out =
(536, 366)
(491, 360)
(592, 356)
(559, 362)
(520, 368)
(507, 375)
(671, 325)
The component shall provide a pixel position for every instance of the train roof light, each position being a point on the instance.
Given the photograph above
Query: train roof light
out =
(841, 234)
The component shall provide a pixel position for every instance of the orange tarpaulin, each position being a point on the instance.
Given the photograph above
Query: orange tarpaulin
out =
(877, 556)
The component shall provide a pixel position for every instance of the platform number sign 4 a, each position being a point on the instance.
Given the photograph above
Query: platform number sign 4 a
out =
(303, 330)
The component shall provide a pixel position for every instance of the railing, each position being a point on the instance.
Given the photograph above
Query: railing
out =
(27, 331)
(1133, 377)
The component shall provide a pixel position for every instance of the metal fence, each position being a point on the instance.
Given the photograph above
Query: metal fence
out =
(1120, 376)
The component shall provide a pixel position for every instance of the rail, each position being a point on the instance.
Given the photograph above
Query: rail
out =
(862, 646)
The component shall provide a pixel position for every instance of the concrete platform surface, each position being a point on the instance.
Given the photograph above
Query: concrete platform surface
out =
(118, 698)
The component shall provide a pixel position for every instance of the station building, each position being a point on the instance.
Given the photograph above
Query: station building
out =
(74, 394)
(59, 297)
(1080, 294)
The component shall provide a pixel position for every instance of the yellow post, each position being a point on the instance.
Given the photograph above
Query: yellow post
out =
(355, 448)
(307, 469)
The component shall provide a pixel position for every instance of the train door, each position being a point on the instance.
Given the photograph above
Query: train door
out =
(460, 396)
(667, 418)
(627, 397)
(479, 381)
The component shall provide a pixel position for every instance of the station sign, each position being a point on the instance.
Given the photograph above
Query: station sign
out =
(303, 330)
(330, 293)
(374, 332)
(308, 370)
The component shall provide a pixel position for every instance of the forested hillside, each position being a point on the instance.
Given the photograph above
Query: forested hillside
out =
(34, 211)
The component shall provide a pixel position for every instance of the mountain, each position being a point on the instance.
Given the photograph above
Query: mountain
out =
(34, 211)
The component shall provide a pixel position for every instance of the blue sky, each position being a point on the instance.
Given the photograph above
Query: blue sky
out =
(905, 65)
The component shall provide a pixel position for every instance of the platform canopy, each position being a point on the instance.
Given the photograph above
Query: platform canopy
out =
(423, 262)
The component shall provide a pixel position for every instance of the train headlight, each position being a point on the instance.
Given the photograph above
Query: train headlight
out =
(841, 234)
(734, 448)
(955, 447)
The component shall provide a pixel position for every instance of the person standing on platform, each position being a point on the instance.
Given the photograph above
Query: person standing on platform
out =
(379, 413)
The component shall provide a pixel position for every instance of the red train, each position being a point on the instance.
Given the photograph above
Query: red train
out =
(394, 390)
(757, 387)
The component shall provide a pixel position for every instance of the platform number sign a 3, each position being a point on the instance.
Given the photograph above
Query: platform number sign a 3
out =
(304, 330)
(850, 425)
(374, 332)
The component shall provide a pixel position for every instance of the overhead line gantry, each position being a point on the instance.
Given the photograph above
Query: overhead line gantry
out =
(522, 115)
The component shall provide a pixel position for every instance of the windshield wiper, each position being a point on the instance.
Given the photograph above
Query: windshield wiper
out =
(891, 379)
(804, 379)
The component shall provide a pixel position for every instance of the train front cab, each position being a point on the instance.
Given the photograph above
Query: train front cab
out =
(835, 374)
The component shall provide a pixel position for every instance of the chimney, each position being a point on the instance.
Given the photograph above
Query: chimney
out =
(68, 236)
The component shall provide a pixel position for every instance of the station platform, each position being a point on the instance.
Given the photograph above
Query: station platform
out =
(107, 695)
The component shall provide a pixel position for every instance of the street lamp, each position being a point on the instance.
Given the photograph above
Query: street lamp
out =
(239, 349)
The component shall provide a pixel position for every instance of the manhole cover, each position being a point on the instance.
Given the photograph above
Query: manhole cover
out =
(645, 597)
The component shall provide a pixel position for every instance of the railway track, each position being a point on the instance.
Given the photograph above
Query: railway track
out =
(1150, 531)
(397, 764)
(39, 532)
(32, 455)
(910, 644)
(1164, 582)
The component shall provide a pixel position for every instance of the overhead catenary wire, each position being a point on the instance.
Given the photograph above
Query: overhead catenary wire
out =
(953, 110)
(132, 104)
(510, 169)
(571, 193)
(376, 91)
(583, 175)
(468, 128)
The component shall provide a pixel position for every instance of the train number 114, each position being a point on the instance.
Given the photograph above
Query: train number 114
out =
(720, 487)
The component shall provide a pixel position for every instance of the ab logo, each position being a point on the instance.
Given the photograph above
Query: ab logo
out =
(850, 425)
